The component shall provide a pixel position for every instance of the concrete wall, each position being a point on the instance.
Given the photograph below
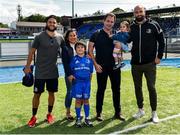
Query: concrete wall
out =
(8, 49)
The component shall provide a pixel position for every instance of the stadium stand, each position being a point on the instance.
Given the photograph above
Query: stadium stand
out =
(169, 25)
(86, 30)
(168, 18)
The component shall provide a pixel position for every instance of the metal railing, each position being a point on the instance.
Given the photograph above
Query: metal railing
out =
(172, 44)
(14, 49)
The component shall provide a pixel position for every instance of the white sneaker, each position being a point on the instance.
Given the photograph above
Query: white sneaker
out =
(155, 118)
(139, 114)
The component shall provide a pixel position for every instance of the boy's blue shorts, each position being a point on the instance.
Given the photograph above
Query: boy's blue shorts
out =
(81, 89)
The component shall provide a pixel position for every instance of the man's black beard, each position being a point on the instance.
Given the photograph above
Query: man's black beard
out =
(51, 30)
(140, 19)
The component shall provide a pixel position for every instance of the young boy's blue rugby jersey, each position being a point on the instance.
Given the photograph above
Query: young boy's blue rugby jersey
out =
(81, 67)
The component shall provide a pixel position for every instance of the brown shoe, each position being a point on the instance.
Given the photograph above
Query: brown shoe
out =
(99, 117)
(119, 116)
(70, 118)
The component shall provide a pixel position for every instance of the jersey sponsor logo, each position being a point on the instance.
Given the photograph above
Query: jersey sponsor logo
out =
(81, 68)
(82, 65)
(148, 31)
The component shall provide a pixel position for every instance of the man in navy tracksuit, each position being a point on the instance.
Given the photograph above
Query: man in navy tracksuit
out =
(146, 53)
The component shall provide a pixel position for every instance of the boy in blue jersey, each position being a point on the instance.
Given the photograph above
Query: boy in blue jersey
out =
(120, 44)
(82, 69)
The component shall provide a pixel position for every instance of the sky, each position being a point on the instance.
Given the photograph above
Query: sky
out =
(64, 7)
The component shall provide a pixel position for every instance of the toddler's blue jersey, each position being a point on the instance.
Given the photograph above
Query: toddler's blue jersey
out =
(121, 37)
(81, 67)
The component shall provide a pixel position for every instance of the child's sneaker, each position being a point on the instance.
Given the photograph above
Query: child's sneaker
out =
(122, 65)
(119, 65)
(32, 121)
(116, 66)
(50, 118)
(78, 123)
(88, 123)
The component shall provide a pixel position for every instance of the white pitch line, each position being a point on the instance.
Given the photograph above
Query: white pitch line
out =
(144, 125)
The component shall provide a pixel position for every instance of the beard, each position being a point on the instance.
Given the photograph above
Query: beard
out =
(51, 30)
(140, 18)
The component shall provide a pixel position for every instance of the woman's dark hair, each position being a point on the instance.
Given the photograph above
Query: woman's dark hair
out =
(67, 34)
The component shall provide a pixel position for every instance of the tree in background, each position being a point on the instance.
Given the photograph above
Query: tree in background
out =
(37, 18)
(3, 25)
(99, 12)
(34, 18)
(117, 10)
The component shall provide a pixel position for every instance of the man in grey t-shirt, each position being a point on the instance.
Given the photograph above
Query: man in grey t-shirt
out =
(47, 44)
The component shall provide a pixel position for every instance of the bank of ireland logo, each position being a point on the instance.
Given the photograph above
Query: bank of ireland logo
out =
(149, 31)
(82, 65)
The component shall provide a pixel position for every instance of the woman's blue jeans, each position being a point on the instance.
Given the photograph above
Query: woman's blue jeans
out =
(68, 98)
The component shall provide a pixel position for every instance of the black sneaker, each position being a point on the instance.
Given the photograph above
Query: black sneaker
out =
(88, 123)
(78, 123)
(122, 64)
(119, 116)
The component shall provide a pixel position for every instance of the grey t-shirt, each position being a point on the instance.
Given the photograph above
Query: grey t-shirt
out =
(47, 52)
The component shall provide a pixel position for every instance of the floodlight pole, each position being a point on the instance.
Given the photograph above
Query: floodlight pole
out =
(72, 8)
(166, 37)
(19, 10)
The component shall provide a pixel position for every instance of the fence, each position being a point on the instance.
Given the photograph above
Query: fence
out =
(14, 49)
(172, 44)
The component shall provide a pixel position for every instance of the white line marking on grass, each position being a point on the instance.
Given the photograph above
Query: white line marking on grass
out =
(20, 81)
(144, 125)
(10, 82)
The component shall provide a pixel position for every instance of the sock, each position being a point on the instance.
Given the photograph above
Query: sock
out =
(78, 112)
(50, 108)
(34, 111)
(86, 110)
